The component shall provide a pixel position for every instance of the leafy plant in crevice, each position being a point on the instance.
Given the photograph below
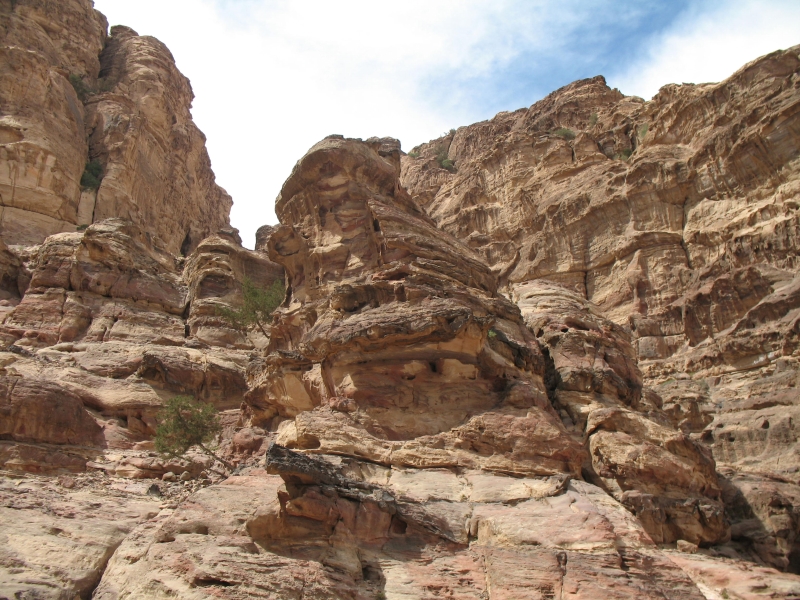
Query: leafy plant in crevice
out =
(413, 154)
(84, 91)
(593, 120)
(443, 161)
(185, 422)
(641, 132)
(81, 88)
(257, 306)
(82, 227)
(624, 155)
(105, 84)
(565, 133)
(92, 175)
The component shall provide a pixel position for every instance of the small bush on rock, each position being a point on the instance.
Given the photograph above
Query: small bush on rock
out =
(257, 307)
(565, 133)
(185, 422)
(92, 175)
(443, 161)
(81, 88)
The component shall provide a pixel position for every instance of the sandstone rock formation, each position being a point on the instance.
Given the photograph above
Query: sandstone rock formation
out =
(563, 367)
(676, 219)
(71, 94)
(113, 323)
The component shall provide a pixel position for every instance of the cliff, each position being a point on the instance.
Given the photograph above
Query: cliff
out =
(73, 95)
(551, 355)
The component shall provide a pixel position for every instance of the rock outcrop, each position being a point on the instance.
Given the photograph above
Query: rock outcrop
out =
(72, 95)
(114, 324)
(43, 143)
(552, 355)
(676, 219)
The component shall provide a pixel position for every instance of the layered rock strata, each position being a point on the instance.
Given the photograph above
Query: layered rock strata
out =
(110, 326)
(677, 219)
(514, 377)
(71, 95)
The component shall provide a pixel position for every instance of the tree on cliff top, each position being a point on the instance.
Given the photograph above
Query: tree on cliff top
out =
(257, 307)
(185, 422)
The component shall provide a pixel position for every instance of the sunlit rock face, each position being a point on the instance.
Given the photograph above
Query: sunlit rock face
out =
(110, 326)
(677, 218)
(392, 344)
(71, 94)
(157, 169)
(43, 145)
(564, 368)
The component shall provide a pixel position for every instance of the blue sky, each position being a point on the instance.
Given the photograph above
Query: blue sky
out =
(271, 78)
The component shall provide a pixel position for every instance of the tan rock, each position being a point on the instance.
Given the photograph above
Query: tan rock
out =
(41, 411)
(64, 79)
(43, 147)
(392, 344)
(142, 132)
(56, 542)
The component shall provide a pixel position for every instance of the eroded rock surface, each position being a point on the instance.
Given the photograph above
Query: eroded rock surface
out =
(111, 325)
(73, 94)
(393, 344)
(677, 220)
(512, 377)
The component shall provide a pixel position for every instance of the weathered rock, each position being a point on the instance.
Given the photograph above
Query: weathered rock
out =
(667, 479)
(392, 344)
(41, 411)
(63, 79)
(43, 146)
(677, 218)
(214, 274)
(765, 515)
(156, 170)
(55, 542)
(333, 527)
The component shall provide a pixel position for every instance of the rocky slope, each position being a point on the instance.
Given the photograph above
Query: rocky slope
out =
(563, 366)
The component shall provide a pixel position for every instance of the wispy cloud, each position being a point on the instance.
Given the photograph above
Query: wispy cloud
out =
(273, 77)
(709, 42)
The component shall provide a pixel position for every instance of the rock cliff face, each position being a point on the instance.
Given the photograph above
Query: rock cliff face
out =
(676, 219)
(71, 95)
(564, 366)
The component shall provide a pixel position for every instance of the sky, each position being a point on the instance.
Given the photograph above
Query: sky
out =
(273, 77)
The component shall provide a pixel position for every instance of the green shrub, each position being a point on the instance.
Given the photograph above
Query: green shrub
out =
(257, 307)
(452, 132)
(641, 132)
(104, 84)
(443, 161)
(593, 120)
(413, 154)
(82, 227)
(185, 422)
(624, 155)
(92, 175)
(81, 88)
(564, 132)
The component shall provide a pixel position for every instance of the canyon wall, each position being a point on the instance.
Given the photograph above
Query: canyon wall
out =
(73, 95)
(551, 355)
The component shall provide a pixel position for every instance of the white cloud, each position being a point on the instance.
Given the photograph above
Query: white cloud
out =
(710, 44)
(271, 78)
